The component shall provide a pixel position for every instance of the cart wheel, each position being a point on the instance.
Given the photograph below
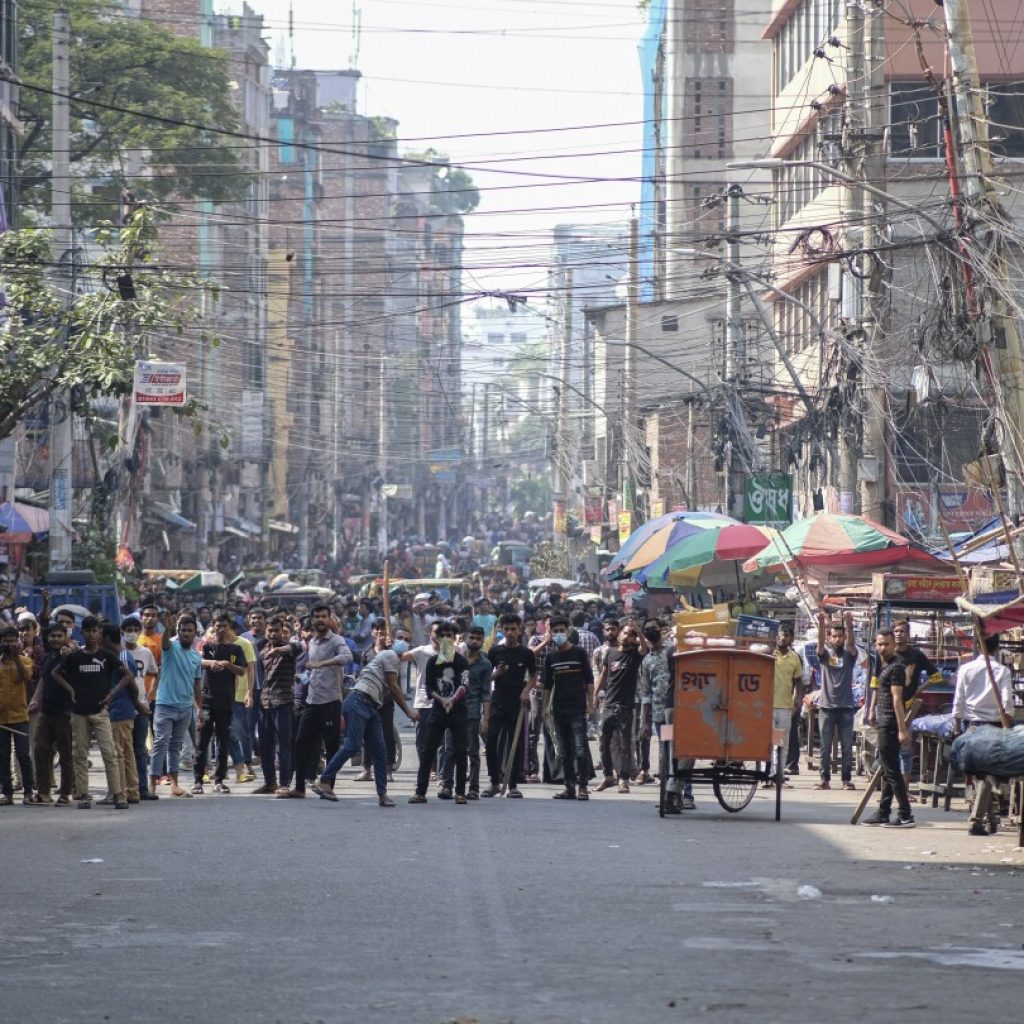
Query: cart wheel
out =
(779, 778)
(732, 793)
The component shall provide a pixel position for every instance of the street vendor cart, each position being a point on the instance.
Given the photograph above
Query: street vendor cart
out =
(722, 717)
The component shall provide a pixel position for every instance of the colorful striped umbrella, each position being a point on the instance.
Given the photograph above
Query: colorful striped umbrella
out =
(719, 543)
(660, 540)
(836, 541)
(642, 534)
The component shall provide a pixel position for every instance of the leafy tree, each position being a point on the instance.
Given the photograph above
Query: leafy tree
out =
(86, 346)
(452, 189)
(120, 61)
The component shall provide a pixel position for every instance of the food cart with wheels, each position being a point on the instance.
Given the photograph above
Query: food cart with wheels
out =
(722, 716)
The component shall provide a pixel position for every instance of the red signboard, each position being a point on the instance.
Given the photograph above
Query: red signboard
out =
(898, 588)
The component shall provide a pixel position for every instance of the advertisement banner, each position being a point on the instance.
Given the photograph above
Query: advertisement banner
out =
(657, 507)
(592, 510)
(625, 521)
(159, 383)
(558, 516)
(768, 499)
(898, 587)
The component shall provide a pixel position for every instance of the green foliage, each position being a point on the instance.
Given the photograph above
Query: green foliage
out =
(531, 494)
(88, 346)
(134, 64)
(452, 189)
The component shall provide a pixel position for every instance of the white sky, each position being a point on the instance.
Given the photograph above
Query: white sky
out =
(443, 68)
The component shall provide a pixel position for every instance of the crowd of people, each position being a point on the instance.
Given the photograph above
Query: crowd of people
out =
(502, 693)
(299, 694)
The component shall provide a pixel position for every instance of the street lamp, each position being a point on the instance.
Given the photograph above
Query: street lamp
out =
(777, 163)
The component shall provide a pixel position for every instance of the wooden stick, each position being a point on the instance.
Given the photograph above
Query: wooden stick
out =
(387, 602)
(511, 755)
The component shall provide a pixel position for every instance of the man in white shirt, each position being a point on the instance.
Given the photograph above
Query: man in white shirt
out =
(419, 656)
(974, 704)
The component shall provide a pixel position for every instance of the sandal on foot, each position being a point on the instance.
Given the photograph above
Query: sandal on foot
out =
(220, 787)
(416, 798)
(459, 798)
(324, 791)
(197, 789)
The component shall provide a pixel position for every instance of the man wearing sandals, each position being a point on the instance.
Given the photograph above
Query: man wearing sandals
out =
(224, 663)
(15, 681)
(178, 693)
(92, 674)
(836, 707)
(361, 713)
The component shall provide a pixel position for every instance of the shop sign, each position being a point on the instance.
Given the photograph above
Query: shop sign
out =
(625, 522)
(768, 499)
(159, 383)
(898, 588)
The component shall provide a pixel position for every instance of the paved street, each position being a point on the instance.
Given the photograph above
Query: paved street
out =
(243, 908)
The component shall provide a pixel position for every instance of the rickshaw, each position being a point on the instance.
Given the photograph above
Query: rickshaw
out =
(722, 716)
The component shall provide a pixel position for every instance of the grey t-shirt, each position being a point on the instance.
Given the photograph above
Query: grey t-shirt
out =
(325, 683)
(373, 680)
(837, 668)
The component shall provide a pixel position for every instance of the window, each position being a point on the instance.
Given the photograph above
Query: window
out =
(807, 28)
(915, 127)
(669, 323)
(797, 328)
(707, 110)
(1005, 103)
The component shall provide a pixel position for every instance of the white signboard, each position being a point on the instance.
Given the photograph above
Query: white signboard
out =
(159, 383)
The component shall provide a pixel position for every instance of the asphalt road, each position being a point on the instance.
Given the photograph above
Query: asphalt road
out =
(250, 909)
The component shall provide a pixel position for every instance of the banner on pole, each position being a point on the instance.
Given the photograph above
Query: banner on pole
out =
(159, 383)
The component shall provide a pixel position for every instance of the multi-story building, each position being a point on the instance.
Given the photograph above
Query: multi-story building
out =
(869, 112)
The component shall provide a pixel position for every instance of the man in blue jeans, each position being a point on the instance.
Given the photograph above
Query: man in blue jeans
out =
(177, 697)
(836, 706)
(361, 712)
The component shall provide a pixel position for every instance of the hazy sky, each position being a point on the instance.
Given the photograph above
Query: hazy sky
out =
(544, 67)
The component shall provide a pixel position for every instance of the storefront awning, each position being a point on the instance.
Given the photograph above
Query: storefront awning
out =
(242, 527)
(281, 526)
(171, 517)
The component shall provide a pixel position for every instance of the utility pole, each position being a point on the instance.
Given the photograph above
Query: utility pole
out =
(485, 440)
(382, 452)
(61, 416)
(735, 347)
(562, 480)
(864, 301)
(1001, 351)
(735, 357)
(629, 364)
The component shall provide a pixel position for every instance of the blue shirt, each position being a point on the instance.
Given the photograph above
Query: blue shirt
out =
(485, 622)
(122, 707)
(179, 669)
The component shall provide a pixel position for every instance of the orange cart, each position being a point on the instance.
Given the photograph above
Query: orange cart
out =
(722, 717)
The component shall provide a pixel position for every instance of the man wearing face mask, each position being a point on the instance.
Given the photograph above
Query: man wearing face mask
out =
(446, 682)
(568, 682)
(619, 678)
(478, 699)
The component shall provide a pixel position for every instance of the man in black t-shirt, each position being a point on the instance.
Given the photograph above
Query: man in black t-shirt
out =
(514, 675)
(223, 662)
(95, 676)
(569, 690)
(892, 732)
(52, 701)
(446, 680)
(619, 677)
